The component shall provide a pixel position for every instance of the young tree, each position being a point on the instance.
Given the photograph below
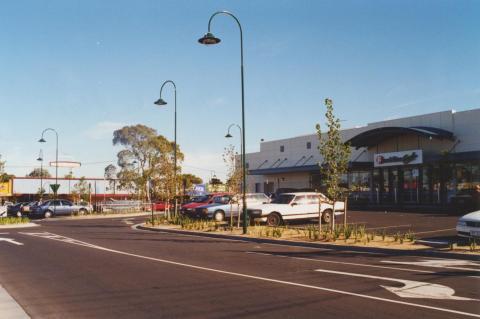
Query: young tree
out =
(336, 155)
(234, 176)
(4, 177)
(81, 190)
(38, 172)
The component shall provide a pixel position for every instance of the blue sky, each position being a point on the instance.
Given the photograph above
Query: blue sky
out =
(89, 67)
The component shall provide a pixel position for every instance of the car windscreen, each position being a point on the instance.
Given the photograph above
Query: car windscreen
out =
(200, 199)
(283, 199)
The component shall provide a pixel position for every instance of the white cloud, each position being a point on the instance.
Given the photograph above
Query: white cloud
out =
(204, 164)
(103, 130)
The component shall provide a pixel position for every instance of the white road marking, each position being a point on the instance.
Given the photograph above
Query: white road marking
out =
(128, 221)
(440, 263)
(225, 272)
(342, 262)
(411, 288)
(11, 241)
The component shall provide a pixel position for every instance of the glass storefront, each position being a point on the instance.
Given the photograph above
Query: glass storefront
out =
(450, 184)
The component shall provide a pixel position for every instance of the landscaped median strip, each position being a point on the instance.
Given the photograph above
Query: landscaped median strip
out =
(72, 241)
(421, 251)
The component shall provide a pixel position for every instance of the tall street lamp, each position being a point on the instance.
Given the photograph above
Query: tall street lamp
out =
(40, 159)
(210, 39)
(161, 102)
(42, 140)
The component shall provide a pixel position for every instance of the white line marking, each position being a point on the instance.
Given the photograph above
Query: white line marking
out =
(288, 283)
(411, 288)
(343, 263)
(11, 241)
(443, 263)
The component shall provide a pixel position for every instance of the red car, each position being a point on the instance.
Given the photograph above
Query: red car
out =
(189, 208)
(161, 206)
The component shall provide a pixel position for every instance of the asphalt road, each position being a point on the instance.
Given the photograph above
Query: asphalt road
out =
(105, 269)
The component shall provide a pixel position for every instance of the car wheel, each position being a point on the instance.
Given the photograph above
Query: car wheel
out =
(82, 211)
(327, 216)
(219, 216)
(274, 219)
(48, 214)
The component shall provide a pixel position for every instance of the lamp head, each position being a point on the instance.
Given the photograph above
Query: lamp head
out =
(39, 159)
(209, 39)
(42, 140)
(160, 102)
(228, 135)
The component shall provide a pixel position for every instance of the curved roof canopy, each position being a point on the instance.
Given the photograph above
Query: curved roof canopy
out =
(375, 136)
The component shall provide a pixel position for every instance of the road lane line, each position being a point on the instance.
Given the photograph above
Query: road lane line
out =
(411, 288)
(11, 241)
(446, 264)
(225, 272)
(343, 262)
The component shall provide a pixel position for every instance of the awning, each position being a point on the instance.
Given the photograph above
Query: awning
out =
(376, 136)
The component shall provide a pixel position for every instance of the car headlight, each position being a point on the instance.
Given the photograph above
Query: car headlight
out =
(461, 223)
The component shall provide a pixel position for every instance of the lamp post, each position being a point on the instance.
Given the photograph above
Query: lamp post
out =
(210, 39)
(161, 102)
(40, 159)
(42, 140)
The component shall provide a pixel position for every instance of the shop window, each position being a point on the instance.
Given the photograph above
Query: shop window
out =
(309, 145)
(257, 188)
(282, 148)
(360, 182)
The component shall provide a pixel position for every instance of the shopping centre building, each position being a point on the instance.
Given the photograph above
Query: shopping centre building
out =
(429, 161)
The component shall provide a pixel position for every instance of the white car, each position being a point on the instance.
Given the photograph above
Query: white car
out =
(220, 212)
(469, 225)
(291, 206)
(3, 211)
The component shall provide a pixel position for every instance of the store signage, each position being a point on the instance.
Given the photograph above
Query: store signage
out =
(398, 158)
(6, 188)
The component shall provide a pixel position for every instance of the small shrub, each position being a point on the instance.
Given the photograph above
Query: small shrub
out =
(384, 234)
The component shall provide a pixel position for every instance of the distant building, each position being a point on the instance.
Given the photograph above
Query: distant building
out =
(426, 161)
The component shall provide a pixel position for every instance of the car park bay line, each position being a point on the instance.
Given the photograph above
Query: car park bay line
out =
(342, 262)
(72, 241)
(434, 231)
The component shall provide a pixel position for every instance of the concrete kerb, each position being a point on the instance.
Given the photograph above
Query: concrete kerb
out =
(24, 225)
(386, 251)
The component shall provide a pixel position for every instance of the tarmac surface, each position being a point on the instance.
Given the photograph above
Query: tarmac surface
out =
(106, 269)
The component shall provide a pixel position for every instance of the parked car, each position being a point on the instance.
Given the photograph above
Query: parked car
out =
(16, 209)
(58, 207)
(161, 206)
(3, 211)
(222, 212)
(469, 225)
(27, 208)
(198, 212)
(291, 206)
(189, 208)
